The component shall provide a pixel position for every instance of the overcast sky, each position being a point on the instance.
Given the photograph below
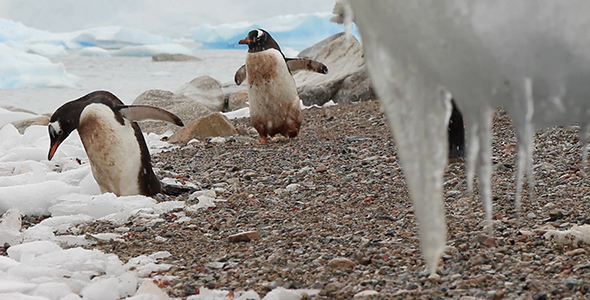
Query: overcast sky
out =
(167, 17)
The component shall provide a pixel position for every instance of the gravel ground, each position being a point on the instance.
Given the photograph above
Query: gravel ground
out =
(332, 213)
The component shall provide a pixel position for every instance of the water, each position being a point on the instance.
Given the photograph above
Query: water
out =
(126, 77)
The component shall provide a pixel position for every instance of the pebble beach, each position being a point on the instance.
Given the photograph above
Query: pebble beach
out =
(328, 214)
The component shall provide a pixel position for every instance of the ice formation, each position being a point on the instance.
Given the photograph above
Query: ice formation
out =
(577, 236)
(21, 69)
(529, 56)
(293, 31)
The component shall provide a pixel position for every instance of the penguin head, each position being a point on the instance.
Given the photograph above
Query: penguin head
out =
(62, 123)
(259, 40)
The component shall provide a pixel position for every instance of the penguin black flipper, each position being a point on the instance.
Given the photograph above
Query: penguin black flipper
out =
(294, 64)
(240, 75)
(144, 112)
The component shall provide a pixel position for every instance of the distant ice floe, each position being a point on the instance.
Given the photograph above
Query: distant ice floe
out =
(291, 31)
(24, 51)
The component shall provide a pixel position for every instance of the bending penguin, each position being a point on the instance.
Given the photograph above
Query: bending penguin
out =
(119, 157)
(274, 102)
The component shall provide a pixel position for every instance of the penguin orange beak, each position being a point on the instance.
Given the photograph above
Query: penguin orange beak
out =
(244, 41)
(52, 149)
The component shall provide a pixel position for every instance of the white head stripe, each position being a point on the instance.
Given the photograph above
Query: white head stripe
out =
(55, 126)
(260, 32)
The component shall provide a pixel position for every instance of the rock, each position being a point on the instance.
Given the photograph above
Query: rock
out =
(205, 90)
(237, 100)
(576, 252)
(365, 294)
(185, 108)
(347, 79)
(243, 236)
(215, 265)
(321, 168)
(341, 263)
(333, 287)
(572, 283)
(173, 57)
(312, 52)
(499, 294)
(24, 124)
(212, 125)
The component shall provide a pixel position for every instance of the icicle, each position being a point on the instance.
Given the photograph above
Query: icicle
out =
(348, 18)
(422, 146)
(472, 151)
(484, 162)
(583, 136)
(343, 15)
(525, 134)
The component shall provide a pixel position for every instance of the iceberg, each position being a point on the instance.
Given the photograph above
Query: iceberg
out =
(115, 37)
(529, 56)
(150, 50)
(24, 38)
(15, 31)
(19, 69)
(291, 31)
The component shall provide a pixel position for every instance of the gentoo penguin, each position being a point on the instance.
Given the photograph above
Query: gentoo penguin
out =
(274, 102)
(119, 157)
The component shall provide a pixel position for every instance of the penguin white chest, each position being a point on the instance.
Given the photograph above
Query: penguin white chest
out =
(112, 148)
(270, 84)
(274, 102)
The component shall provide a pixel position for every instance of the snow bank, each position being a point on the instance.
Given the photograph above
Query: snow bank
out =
(62, 186)
(7, 116)
(44, 269)
(36, 264)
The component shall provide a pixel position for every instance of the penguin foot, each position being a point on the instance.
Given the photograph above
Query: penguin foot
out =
(263, 140)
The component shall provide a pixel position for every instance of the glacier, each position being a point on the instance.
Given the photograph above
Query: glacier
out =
(529, 56)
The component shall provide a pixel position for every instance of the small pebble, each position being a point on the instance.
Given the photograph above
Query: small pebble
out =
(243, 236)
(321, 168)
(341, 263)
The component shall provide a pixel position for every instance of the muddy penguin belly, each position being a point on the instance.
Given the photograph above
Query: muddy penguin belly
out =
(274, 102)
(112, 149)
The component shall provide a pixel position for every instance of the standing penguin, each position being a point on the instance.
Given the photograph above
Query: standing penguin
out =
(274, 102)
(119, 157)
